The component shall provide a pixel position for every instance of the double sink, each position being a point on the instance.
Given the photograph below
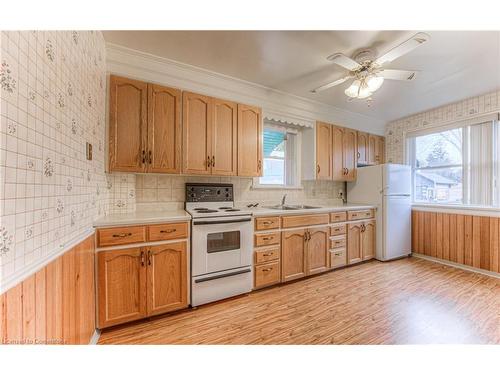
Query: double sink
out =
(292, 207)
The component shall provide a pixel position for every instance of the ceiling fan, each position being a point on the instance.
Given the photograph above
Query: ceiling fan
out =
(368, 71)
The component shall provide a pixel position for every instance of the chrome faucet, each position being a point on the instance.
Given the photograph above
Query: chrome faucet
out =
(283, 200)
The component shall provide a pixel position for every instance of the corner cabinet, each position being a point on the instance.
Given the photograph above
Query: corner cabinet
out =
(144, 127)
(249, 141)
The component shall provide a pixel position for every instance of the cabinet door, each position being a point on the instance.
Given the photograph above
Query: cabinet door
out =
(380, 150)
(127, 124)
(164, 130)
(317, 250)
(372, 143)
(196, 133)
(293, 255)
(224, 138)
(167, 277)
(350, 154)
(368, 240)
(362, 148)
(121, 286)
(337, 152)
(354, 252)
(323, 151)
(249, 141)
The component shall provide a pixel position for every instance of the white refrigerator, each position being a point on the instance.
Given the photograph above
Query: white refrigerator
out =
(387, 186)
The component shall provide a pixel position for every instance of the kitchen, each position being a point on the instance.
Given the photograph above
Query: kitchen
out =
(154, 193)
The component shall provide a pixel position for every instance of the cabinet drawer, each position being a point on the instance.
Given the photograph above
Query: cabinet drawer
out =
(265, 223)
(359, 215)
(167, 231)
(338, 229)
(303, 220)
(120, 236)
(336, 217)
(262, 256)
(338, 258)
(338, 242)
(264, 239)
(267, 274)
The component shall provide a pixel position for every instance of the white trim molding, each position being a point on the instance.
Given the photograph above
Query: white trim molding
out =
(277, 104)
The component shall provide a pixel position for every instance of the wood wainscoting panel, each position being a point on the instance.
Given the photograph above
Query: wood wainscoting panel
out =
(55, 305)
(464, 239)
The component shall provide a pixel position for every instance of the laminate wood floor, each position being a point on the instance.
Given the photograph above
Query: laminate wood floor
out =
(408, 301)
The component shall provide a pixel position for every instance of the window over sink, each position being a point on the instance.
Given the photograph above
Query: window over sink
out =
(281, 155)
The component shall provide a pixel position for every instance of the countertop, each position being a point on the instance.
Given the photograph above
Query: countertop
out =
(141, 217)
(263, 211)
(155, 217)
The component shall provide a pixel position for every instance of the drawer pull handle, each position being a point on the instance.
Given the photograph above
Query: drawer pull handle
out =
(267, 222)
(142, 258)
(267, 269)
(267, 238)
(267, 254)
(122, 235)
(168, 230)
(338, 255)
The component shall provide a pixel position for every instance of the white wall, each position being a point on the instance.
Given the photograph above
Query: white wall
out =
(52, 99)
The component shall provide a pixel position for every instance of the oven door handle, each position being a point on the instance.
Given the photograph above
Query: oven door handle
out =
(221, 221)
(209, 278)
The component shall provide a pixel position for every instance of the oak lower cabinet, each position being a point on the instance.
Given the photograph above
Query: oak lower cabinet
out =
(317, 250)
(139, 282)
(360, 241)
(304, 252)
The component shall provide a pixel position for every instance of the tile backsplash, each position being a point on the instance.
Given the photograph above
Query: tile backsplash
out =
(395, 131)
(52, 99)
(167, 192)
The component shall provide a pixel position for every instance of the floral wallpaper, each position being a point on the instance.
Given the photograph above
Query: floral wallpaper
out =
(395, 131)
(52, 100)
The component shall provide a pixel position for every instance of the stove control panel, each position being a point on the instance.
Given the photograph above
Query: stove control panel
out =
(200, 192)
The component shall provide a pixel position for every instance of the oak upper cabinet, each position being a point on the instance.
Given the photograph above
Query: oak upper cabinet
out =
(144, 127)
(317, 250)
(354, 244)
(372, 143)
(167, 279)
(337, 153)
(249, 141)
(350, 152)
(323, 151)
(197, 122)
(293, 254)
(128, 102)
(362, 148)
(368, 239)
(224, 160)
(380, 150)
(121, 286)
(164, 130)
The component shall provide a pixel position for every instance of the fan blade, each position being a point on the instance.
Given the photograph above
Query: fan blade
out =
(399, 75)
(405, 47)
(344, 61)
(331, 84)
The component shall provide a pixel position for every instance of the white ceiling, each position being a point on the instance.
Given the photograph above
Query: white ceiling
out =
(454, 65)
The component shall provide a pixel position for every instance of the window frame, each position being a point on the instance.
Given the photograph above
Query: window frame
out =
(465, 125)
(292, 160)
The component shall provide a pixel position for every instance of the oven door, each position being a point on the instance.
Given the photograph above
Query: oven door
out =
(220, 244)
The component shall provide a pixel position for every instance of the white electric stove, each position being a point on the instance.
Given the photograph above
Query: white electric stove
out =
(221, 243)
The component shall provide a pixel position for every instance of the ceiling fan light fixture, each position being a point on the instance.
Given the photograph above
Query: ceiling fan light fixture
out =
(352, 91)
(374, 82)
(364, 91)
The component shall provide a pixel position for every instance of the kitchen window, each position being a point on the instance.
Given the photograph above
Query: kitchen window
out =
(457, 164)
(280, 149)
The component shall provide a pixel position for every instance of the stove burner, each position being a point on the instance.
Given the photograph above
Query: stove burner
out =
(206, 211)
(201, 209)
(225, 208)
(232, 209)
